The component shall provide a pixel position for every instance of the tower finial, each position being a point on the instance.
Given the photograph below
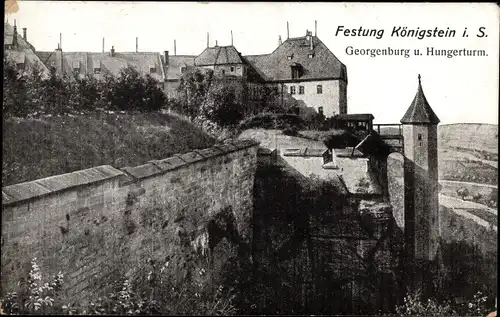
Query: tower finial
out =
(419, 82)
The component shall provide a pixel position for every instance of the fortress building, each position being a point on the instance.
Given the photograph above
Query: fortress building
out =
(302, 71)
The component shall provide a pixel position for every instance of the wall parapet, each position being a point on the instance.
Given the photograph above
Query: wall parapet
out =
(18, 193)
(21, 192)
(99, 224)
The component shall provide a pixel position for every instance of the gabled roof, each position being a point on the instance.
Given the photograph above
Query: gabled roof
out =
(218, 55)
(276, 66)
(175, 62)
(420, 112)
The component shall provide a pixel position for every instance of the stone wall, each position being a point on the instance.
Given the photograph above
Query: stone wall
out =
(101, 224)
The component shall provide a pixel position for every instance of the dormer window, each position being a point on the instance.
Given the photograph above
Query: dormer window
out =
(290, 57)
(296, 70)
(183, 69)
(311, 55)
(76, 66)
(232, 69)
(152, 69)
(20, 65)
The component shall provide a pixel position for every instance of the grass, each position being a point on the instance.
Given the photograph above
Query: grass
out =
(38, 148)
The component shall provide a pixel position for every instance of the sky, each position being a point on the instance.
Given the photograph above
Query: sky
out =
(462, 89)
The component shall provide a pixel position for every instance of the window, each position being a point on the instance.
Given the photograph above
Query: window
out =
(420, 137)
(20, 65)
(319, 89)
(301, 90)
(292, 90)
(232, 69)
(311, 55)
(97, 70)
(183, 69)
(290, 57)
(76, 66)
(152, 69)
(295, 73)
(223, 72)
(320, 110)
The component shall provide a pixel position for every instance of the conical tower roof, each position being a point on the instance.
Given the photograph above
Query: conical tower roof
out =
(420, 112)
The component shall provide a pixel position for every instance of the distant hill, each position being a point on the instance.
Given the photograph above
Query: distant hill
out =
(474, 136)
(37, 148)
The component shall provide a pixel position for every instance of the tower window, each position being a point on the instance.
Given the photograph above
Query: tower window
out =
(232, 69)
(223, 72)
(292, 90)
(301, 90)
(319, 89)
(419, 137)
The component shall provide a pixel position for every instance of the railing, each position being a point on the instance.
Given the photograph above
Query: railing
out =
(388, 131)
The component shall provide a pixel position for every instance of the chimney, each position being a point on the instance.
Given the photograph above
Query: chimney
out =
(165, 56)
(208, 39)
(175, 47)
(60, 40)
(25, 36)
(112, 51)
(136, 44)
(287, 30)
(216, 43)
(315, 28)
(103, 44)
(311, 41)
(14, 36)
(59, 60)
(231, 37)
(279, 40)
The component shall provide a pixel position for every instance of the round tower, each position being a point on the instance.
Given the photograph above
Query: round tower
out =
(421, 181)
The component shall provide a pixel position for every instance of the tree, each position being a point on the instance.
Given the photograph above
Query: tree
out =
(463, 192)
(222, 103)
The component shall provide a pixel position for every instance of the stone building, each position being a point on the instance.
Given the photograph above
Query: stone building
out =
(302, 70)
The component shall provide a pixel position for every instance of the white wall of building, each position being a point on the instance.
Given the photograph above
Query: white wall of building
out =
(333, 97)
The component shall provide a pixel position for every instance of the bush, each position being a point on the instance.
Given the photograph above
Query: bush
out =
(273, 121)
(290, 132)
(463, 192)
(414, 305)
(34, 296)
(28, 93)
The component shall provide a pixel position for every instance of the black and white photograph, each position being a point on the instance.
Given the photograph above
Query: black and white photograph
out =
(250, 158)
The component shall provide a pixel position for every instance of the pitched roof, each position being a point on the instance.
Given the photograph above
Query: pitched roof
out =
(218, 55)
(9, 37)
(142, 62)
(322, 64)
(420, 111)
(28, 58)
(175, 62)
